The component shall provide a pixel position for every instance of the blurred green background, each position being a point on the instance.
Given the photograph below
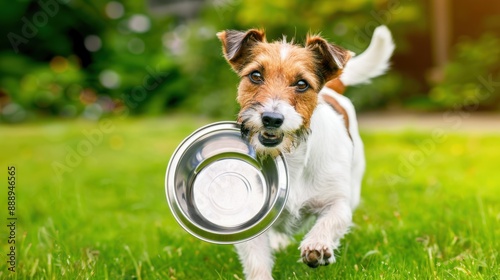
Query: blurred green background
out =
(79, 81)
(96, 58)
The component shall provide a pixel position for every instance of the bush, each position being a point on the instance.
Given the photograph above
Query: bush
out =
(100, 58)
(475, 62)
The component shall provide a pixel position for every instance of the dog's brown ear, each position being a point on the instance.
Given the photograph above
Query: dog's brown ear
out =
(332, 58)
(236, 45)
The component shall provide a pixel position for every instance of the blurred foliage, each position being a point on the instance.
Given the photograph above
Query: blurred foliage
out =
(346, 23)
(92, 58)
(471, 77)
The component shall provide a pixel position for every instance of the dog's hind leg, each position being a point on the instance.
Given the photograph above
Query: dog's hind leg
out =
(256, 257)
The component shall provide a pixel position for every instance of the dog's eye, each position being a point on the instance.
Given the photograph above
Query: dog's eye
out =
(301, 86)
(256, 77)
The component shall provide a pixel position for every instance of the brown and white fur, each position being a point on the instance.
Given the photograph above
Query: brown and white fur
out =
(286, 108)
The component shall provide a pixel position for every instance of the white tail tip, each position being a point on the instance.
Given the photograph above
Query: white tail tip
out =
(373, 62)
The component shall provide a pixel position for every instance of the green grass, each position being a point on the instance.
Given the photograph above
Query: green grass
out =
(431, 214)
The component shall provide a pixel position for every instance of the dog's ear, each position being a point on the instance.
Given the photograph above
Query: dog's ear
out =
(332, 58)
(236, 45)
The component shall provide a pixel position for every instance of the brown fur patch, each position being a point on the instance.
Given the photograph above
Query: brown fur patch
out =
(280, 77)
(236, 45)
(281, 66)
(339, 109)
(336, 85)
(332, 58)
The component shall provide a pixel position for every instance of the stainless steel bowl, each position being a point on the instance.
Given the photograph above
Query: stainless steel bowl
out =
(219, 190)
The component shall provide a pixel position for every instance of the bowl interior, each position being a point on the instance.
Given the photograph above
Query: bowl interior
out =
(219, 190)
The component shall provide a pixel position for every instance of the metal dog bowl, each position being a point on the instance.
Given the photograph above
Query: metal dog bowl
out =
(219, 190)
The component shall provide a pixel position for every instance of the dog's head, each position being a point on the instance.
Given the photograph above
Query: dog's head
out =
(279, 85)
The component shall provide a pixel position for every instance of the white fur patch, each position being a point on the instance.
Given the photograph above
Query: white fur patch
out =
(284, 51)
(291, 124)
(325, 168)
(293, 120)
(327, 184)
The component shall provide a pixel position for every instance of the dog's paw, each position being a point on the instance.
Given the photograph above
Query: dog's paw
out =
(316, 254)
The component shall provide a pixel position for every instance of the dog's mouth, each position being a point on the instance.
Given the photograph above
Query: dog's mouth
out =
(272, 141)
(270, 138)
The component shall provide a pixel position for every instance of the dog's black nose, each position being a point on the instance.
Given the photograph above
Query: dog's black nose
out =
(272, 119)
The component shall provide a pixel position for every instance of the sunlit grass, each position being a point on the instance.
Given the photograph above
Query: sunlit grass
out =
(426, 213)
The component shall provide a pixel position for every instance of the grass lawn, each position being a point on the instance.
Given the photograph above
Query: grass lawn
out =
(90, 204)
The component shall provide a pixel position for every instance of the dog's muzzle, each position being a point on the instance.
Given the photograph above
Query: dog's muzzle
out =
(271, 135)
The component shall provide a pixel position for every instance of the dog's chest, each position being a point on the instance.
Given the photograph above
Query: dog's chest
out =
(300, 205)
(302, 190)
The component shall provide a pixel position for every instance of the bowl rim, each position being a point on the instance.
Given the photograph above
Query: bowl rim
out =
(218, 237)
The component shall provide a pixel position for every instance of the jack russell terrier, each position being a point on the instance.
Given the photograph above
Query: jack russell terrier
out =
(291, 103)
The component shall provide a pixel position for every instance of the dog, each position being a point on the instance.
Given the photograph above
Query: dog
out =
(291, 102)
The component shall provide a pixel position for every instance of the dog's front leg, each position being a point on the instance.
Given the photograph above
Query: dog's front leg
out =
(332, 224)
(256, 257)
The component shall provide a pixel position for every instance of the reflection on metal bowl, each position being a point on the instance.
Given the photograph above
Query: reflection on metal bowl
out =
(219, 190)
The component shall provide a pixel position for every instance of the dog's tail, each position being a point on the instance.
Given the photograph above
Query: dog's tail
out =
(373, 62)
